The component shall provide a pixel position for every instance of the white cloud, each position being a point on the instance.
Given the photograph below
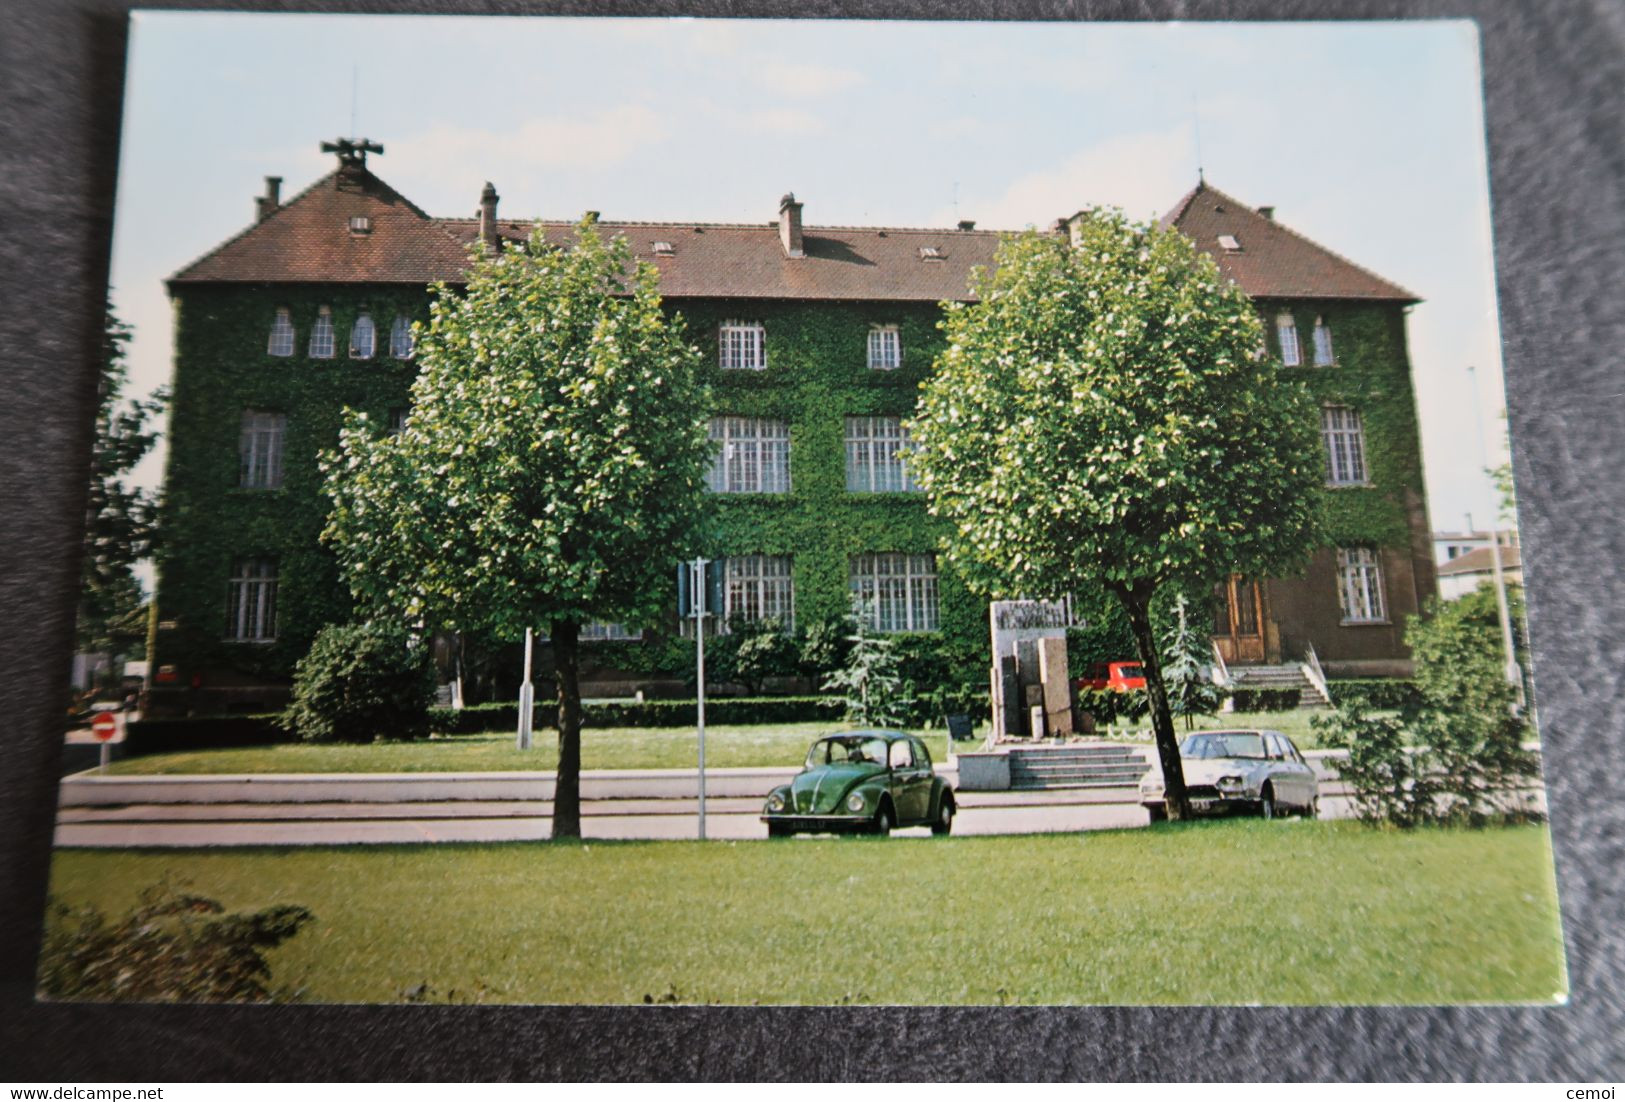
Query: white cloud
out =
(807, 80)
(1142, 173)
(446, 153)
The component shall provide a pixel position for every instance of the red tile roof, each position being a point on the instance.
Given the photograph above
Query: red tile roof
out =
(1273, 261)
(308, 240)
(1479, 561)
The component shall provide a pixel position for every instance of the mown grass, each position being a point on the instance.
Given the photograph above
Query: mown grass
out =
(781, 744)
(1214, 912)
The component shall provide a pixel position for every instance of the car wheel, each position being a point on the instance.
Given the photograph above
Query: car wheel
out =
(1266, 802)
(883, 823)
(945, 818)
(1158, 812)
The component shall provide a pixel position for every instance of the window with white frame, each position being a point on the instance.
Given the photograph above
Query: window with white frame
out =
(759, 587)
(753, 456)
(397, 419)
(743, 345)
(259, 449)
(885, 348)
(363, 337)
(251, 602)
(602, 631)
(281, 343)
(321, 335)
(1323, 343)
(400, 338)
(896, 592)
(1359, 586)
(1344, 436)
(875, 448)
(1286, 332)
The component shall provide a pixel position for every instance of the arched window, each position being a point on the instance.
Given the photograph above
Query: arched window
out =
(281, 343)
(1323, 344)
(363, 337)
(1286, 330)
(400, 338)
(321, 335)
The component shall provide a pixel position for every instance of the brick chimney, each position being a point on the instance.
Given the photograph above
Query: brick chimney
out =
(265, 204)
(790, 225)
(488, 217)
(966, 225)
(1267, 212)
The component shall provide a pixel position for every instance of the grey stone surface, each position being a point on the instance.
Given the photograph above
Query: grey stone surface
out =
(1554, 75)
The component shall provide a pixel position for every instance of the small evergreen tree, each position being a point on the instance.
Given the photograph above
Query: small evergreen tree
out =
(871, 680)
(362, 682)
(1187, 669)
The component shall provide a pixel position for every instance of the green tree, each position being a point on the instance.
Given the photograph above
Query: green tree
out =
(1103, 420)
(1187, 668)
(871, 681)
(552, 468)
(118, 518)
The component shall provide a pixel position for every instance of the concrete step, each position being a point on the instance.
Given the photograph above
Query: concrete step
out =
(1129, 768)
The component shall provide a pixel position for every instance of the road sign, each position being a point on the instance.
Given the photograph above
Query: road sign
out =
(104, 726)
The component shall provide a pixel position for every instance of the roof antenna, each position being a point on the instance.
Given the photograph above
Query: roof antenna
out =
(1196, 116)
(354, 82)
(956, 200)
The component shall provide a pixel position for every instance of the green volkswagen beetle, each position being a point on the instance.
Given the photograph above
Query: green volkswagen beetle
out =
(862, 782)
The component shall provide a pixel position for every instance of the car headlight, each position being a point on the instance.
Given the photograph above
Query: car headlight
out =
(775, 802)
(1230, 782)
(855, 802)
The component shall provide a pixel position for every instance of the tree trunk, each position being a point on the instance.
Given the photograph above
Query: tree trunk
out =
(567, 788)
(1137, 604)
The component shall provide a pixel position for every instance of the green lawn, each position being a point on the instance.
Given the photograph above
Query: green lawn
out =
(610, 748)
(1230, 911)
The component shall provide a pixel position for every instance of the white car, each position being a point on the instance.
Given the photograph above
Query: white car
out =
(1253, 772)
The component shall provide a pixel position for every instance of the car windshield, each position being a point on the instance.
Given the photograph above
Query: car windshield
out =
(1131, 669)
(847, 748)
(1230, 744)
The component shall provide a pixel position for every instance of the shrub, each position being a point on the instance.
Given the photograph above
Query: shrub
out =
(362, 682)
(173, 947)
(751, 652)
(1264, 700)
(1187, 665)
(1467, 756)
(870, 682)
(1108, 706)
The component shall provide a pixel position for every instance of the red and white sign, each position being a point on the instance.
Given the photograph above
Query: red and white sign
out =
(104, 726)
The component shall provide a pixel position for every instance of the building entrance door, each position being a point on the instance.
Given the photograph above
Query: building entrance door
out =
(1238, 620)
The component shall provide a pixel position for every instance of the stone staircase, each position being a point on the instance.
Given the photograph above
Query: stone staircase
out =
(1278, 677)
(1076, 766)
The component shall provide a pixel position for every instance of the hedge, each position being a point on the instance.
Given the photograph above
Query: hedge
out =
(1387, 692)
(1264, 700)
(648, 713)
(162, 736)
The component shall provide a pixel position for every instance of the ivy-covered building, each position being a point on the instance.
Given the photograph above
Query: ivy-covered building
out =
(816, 340)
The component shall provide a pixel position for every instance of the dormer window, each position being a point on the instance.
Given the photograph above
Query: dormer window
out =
(321, 335)
(663, 248)
(400, 338)
(1228, 243)
(281, 343)
(363, 337)
(743, 345)
(1323, 344)
(1286, 331)
(930, 252)
(360, 224)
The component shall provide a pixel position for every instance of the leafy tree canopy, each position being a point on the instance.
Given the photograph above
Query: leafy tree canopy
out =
(118, 518)
(553, 461)
(1102, 418)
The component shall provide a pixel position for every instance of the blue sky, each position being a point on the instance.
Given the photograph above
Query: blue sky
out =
(1368, 138)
